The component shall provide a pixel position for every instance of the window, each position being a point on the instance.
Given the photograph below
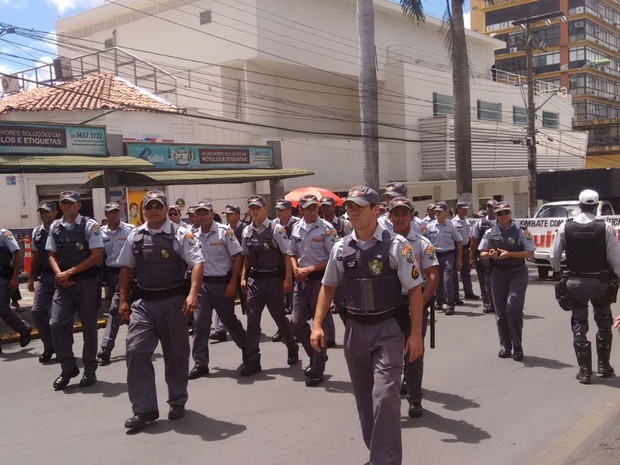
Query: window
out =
(519, 116)
(489, 111)
(205, 17)
(442, 104)
(550, 119)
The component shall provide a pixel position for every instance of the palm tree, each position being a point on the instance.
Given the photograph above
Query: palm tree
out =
(457, 47)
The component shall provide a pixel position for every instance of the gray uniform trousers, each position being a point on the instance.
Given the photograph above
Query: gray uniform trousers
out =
(80, 298)
(582, 290)
(445, 288)
(484, 278)
(114, 319)
(509, 286)
(305, 299)
(211, 296)
(151, 322)
(465, 273)
(415, 371)
(261, 292)
(12, 319)
(44, 288)
(374, 355)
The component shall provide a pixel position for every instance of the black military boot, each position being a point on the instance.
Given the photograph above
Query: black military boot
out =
(603, 350)
(584, 360)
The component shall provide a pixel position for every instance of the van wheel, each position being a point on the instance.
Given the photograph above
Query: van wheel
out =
(543, 272)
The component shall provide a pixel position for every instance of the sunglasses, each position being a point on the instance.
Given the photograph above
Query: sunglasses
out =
(173, 214)
(502, 213)
(153, 206)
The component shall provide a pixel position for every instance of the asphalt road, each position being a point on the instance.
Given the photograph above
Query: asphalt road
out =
(479, 409)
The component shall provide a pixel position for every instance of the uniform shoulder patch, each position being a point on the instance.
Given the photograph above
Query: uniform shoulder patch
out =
(8, 234)
(415, 273)
(406, 249)
(230, 234)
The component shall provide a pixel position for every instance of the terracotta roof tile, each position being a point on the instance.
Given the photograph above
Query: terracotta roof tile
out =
(100, 92)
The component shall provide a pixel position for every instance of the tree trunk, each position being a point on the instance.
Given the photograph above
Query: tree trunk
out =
(462, 106)
(368, 92)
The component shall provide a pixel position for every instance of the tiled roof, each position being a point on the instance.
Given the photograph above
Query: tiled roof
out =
(100, 92)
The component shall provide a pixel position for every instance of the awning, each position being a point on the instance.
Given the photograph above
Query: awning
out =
(158, 178)
(65, 163)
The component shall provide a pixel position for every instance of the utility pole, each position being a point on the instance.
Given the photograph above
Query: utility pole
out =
(526, 24)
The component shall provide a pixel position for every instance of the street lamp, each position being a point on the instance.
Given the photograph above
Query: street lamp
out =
(526, 25)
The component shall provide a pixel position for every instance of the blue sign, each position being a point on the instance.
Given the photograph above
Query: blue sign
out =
(201, 157)
(45, 139)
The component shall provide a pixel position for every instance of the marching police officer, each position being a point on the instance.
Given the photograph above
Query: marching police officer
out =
(401, 215)
(75, 248)
(448, 245)
(328, 212)
(157, 255)
(223, 261)
(393, 190)
(174, 215)
(592, 254)
(265, 277)
(462, 226)
(312, 239)
(114, 235)
(483, 267)
(373, 268)
(508, 246)
(10, 266)
(41, 279)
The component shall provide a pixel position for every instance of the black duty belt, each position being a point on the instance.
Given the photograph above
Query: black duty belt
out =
(502, 266)
(260, 274)
(372, 318)
(148, 294)
(217, 279)
(443, 254)
(316, 275)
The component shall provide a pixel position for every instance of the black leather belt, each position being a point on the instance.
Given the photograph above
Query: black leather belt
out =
(317, 274)
(372, 318)
(443, 254)
(258, 274)
(147, 294)
(217, 279)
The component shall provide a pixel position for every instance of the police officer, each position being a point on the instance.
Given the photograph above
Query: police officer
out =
(223, 261)
(393, 190)
(401, 215)
(41, 279)
(592, 253)
(265, 277)
(75, 249)
(430, 213)
(508, 246)
(114, 235)
(312, 239)
(483, 267)
(285, 217)
(448, 245)
(233, 218)
(157, 255)
(462, 226)
(371, 264)
(10, 266)
(174, 215)
(193, 224)
(328, 212)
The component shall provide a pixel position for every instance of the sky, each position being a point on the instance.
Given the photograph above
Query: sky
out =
(41, 14)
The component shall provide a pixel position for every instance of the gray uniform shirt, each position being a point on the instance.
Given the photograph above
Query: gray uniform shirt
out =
(526, 238)
(279, 236)
(185, 244)
(417, 225)
(312, 243)
(462, 226)
(404, 263)
(559, 243)
(8, 240)
(475, 230)
(443, 236)
(33, 245)
(219, 245)
(92, 231)
(113, 242)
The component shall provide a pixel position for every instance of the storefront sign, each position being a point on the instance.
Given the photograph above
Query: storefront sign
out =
(44, 139)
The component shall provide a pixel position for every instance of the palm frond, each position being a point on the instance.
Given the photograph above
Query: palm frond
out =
(413, 9)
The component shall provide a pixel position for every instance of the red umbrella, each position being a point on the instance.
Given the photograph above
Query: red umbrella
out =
(296, 194)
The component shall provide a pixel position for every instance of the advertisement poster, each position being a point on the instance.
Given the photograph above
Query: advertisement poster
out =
(202, 157)
(134, 206)
(45, 139)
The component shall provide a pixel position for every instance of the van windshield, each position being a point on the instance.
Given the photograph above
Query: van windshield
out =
(558, 211)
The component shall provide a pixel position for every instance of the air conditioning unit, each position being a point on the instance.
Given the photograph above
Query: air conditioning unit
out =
(10, 84)
(513, 49)
(579, 10)
(62, 69)
(579, 24)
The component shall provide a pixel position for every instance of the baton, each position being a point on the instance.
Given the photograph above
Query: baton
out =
(432, 318)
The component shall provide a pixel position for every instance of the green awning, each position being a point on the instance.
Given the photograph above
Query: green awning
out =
(66, 163)
(159, 178)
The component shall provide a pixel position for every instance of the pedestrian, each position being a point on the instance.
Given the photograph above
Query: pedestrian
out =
(157, 255)
(483, 267)
(312, 239)
(41, 280)
(115, 235)
(592, 258)
(508, 246)
(266, 277)
(11, 259)
(75, 249)
(462, 226)
(448, 246)
(401, 216)
(373, 268)
(222, 266)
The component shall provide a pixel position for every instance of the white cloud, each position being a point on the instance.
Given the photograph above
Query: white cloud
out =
(467, 19)
(66, 6)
